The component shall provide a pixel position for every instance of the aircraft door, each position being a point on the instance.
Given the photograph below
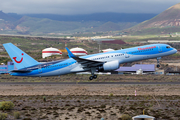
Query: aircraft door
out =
(159, 48)
(126, 55)
(70, 65)
(39, 69)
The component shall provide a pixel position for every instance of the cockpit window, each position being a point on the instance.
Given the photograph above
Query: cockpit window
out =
(168, 47)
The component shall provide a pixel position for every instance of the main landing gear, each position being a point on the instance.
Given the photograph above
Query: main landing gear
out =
(158, 63)
(92, 73)
(92, 77)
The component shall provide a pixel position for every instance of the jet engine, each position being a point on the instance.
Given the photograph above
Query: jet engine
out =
(109, 66)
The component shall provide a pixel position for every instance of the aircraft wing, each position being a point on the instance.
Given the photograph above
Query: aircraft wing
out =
(88, 63)
(84, 62)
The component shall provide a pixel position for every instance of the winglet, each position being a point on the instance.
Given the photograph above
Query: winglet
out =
(70, 54)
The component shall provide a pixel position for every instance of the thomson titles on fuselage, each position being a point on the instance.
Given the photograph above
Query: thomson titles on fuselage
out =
(147, 48)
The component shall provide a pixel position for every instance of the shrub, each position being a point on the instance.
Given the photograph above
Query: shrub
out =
(126, 117)
(111, 94)
(44, 98)
(6, 105)
(27, 119)
(17, 115)
(3, 116)
(103, 106)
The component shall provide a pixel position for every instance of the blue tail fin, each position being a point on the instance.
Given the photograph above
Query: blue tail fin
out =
(70, 54)
(19, 57)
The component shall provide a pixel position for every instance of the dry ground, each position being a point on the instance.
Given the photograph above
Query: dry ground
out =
(101, 78)
(87, 107)
(90, 89)
(92, 101)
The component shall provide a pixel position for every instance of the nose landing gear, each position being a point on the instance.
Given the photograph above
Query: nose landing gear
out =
(158, 63)
(158, 66)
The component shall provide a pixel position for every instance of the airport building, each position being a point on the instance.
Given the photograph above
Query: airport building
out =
(138, 69)
(135, 68)
(6, 68)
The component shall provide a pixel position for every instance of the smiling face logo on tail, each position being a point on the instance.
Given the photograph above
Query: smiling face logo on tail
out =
(18, 61)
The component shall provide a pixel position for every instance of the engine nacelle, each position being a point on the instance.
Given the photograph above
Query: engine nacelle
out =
(109, 66)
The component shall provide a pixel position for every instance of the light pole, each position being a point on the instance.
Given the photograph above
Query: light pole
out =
(99, 42)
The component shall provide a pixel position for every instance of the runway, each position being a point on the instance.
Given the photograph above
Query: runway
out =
(86, 83)
(89, 88)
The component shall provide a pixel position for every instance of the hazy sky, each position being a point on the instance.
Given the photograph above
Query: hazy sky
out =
(85, 6)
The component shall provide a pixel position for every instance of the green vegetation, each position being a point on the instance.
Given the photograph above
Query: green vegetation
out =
(17, 115)
(6, 105)
(125, 117)
(3, 116)
(111, 94)
(155, 31)
(44, 98)
(4, 60)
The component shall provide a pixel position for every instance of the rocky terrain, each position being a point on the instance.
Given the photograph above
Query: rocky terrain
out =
(87, 107)
(91, 101)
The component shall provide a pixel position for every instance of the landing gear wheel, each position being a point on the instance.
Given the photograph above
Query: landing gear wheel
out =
(158, 66)
(158, 62)
(91, 78)
(94, 76)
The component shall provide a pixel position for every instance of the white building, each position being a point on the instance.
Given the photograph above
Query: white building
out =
(50, 51)
(107, 50)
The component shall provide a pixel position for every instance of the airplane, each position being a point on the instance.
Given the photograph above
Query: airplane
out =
(100, 62)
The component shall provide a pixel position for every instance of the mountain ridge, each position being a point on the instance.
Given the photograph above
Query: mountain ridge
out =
(99, 22)
(6, 17)
(166, 20)
(105, 17)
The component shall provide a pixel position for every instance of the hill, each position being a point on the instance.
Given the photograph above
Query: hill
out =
(102, 17)
(6, 17)
(44, 25)
(166, 22)
(38, 24)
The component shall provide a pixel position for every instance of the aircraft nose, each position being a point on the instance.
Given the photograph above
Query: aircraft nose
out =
(175, 50)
